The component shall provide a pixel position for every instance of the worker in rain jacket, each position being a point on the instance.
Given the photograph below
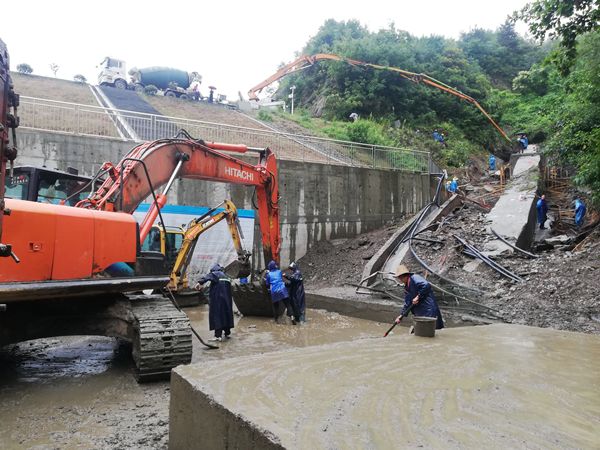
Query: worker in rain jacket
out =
(436, 135)
(493, 162)
(542, 210)
(441, 138)
(220, 315)
(297, 291)
(279, 293)
(524, 143)
(580, 211)
(417, 291)
(454, 185)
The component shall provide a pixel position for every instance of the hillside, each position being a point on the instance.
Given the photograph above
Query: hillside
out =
(53, 89)
(72, 92)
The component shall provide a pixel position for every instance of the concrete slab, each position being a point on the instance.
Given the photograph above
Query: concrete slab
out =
(499, 386)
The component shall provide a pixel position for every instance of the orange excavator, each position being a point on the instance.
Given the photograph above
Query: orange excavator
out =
(307, 61)
(9, 121)
(59, 281)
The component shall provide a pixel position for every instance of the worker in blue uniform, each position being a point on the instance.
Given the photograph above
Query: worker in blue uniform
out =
(220, 315)
(298, 298)
(279, 293)
(454, 185)
(542, 211)
(493, 162)
(580, 211)
(417, 291)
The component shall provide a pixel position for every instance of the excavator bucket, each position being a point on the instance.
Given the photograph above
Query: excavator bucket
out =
(238, 269)
(253, 299)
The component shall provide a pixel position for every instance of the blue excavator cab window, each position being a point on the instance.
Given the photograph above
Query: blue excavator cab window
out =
(17, 187)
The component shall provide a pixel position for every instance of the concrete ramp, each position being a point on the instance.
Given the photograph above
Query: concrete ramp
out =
(514, 217)
(136, 119)
(496, 387)
(391, 255)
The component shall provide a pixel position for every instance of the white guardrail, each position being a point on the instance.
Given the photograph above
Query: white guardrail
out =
(83, 120)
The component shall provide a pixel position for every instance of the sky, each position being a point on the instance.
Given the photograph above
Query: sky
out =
(233, 44)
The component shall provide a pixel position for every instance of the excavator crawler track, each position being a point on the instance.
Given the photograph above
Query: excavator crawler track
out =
(161, 337)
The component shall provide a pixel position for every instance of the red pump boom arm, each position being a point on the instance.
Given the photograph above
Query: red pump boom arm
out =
(307, 61)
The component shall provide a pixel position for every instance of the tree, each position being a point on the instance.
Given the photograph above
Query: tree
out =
(80, 79)
(533, 81)
(54, 68)
(150, 89)
(24, 69)
(564, 20)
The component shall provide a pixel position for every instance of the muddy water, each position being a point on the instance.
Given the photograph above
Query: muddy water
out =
(492, 387)
(78, 392)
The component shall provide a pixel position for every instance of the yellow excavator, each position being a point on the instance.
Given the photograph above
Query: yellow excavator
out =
(186, 242)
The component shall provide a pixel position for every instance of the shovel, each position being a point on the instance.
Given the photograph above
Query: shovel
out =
(402, 316)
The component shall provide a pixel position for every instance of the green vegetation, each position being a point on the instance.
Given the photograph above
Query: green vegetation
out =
(564, 20)
(80, 79)
(551, 92)
(151, 89)
(24, 69)
(265, 115)
(479, 61)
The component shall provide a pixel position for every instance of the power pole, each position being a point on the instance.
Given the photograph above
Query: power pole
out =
(292, 97)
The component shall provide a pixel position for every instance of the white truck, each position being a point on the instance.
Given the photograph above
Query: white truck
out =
(173, 82)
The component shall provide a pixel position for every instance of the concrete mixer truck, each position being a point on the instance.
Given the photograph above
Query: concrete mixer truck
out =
(173, 82)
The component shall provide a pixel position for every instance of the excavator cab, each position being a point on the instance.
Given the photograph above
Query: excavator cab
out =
(40, 184)
(157, 239)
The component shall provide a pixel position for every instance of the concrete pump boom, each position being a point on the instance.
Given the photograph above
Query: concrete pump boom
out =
(308, 61)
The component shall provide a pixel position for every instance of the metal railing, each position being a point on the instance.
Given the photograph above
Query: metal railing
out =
(84, 120)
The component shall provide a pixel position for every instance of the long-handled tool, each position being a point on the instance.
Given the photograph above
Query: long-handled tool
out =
(403, 315)
(191, 327)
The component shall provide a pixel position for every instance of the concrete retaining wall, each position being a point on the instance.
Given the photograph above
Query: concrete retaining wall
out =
(216, 427)
(318, 201)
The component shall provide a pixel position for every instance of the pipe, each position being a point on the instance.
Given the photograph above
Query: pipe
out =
(435, 286)
(156, 203)
(494, 265)
(531, 255)
(175, 173)
(462, 286)
(435, 241)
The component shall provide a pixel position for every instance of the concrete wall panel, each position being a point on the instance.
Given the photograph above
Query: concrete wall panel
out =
(318, 201)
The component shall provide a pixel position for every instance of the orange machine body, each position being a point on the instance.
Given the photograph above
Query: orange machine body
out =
(57, 242)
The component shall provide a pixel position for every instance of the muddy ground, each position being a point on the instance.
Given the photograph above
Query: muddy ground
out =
(79, 392)
(559, 289)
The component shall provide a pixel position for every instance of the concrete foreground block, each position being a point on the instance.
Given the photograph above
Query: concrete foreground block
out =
(497, 386)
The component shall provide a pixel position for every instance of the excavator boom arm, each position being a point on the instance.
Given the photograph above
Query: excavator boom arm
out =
(198, 227)
(129, 185)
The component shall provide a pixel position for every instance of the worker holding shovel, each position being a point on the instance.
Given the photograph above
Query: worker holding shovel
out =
(417, 292)
(220, 313)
